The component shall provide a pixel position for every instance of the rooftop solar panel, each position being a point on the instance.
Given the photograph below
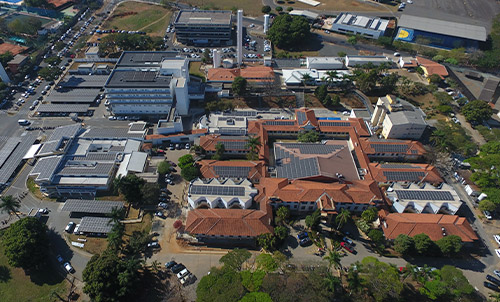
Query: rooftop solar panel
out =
(7, 149)
(399, 166)
(232, 172)
(228, 145)
(10, 165)
(217, 190)
(97, 169)
(390, 148)
(95, 225)
(301, 117)
(240, 113)
(424, 195)
(280, 123)
(46, 167)
(404, 175)
(91, 206)
(306, 148)
(334, 124)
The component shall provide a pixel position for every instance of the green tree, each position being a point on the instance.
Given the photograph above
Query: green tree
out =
(342, 218)
(186, 160)
(6, 57)
(234, 259)
(477, 111)
(376, 236)
(266, 262)
(39, 3)
(289, 9)
(239, 86)
(150, 193)
(455, 280)
(486, 205)
(130, 187)
(333, 259)
(137, 243)
(252, 281)
(434, 79)
(278, 9)
(49, 73)
(164, 167)
(191, 172)
(10, 205)
(256, 297)
(450, 244)
(219, 151)
(109, 278)
(370, 214)
(353, 40)
(281, 232)
(389, 82)
(26, 243)
(434, 289)
(341, 54)
(312, 221)
(308, 136)
(28, 26)
(423, 243)
(283, 213)
(266, 241)
(220, 285)
(381, 279)
(266, 9)
(55, 60)
(289, 32)
(321, 92)
(253, 144)
(335, 101)
(484, 173)
(403, 244)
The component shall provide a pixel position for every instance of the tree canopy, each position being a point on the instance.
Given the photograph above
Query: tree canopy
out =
(477, 111)
(186, 160)
(235, 258)
(150, 193)
(164, 167)
(484, 167)
(239, 85)
(220, 285)
(26, 243)
(381, 279)
(130, 186)
(288, 32)
(308, 137)
(403, 244)
(450, 244)
(452, 138)
(423, 243)
(190, 172)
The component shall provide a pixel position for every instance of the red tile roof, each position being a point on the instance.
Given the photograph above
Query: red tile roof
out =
(258, 169)
(251, 74)
(362, 192)
(59, 3)
(431, 172)
(431, 224)
(414, 147)
(433, 67)
(229, 222)
(12, 48)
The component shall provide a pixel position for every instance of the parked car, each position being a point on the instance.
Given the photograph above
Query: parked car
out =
(493, 280)
(185, 280)
(302, 235)
(160, 214)
(43, 211)
(305, 242)
(497, 238)
(69, 227)
(69, 268)
(163, 205)
(348, 240)
(182, 273)
(154, 245)
(347, 247)
(497, 251)
(487, 214)
(497, 273)
(177, 268)
(76, 230)
(170, 264)
(491, 286)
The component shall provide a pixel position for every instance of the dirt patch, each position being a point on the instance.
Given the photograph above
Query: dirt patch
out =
(93, 245)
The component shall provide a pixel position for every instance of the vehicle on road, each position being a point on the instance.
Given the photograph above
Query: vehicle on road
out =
(43, 211)
(154, 245)
(23, 122)
(69, 268)
(493, 280)
(347, 247)
(305, 242)
(491, 286)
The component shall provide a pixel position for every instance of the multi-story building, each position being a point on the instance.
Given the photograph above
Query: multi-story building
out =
(398, 118)
(350, 24)
(203, 27)
(149, 83)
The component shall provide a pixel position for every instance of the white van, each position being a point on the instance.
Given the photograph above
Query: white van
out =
(24, 122)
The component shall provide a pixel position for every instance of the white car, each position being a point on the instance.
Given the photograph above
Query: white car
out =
(182, 273)
(497, 251)
(487, 215)
(76, 230)
(497, 238)
(69, 268)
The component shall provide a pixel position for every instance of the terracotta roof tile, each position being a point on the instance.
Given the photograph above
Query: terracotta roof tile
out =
(14, 49)
(252, 74)
(257, 170)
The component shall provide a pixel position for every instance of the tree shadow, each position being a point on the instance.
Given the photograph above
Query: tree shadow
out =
(5, 275)
(153, 287)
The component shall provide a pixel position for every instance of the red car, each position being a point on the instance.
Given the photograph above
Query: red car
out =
(347, 247)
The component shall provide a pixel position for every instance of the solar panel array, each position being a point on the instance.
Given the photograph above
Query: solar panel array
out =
(334, 124)
(424, 195)
(280, 123)
(140, 76)
(234, 145)
(301, 117)
(91, 206)
(49, 147)
(225, 118)
(230, 131)
(294, 167)
(65, 108)
(95, 225)
(240, 113)
(217, 190)
(99, 169)
(64, 131)
(46, 167)
(399, 166)
(384, 148)
(306, 148)
(232, 172)
(12, 162)
(110, 133)
(98, 156)
(7, 149)
(404, 175)
(137, 127)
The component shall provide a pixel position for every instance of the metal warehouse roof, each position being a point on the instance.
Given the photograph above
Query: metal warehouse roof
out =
(95, 225)
(65, 108)
(442, 27)
(91, 206)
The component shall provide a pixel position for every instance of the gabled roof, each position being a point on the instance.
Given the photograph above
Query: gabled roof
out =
(405, 173)
(412, 224)
(229, 222)
(231, 143)
(433, 67)
(253, 170)
(372, 146)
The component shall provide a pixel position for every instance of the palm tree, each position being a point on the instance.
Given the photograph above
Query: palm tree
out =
(333, 259)
(331, 282)
(10, 205)
(305, 78)
(333, 75)
(354, 282)
(253, 142)
(495, 297)
(155, 266)
(116, 215)
(342, 218)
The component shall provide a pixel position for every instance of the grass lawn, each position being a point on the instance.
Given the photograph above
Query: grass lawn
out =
(249, 7)
(194, 69)
(15, 285)
(35, 190)
(145, 225)
(153, 19)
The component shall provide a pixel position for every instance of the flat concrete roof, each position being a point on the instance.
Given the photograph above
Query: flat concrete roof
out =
(144, 58)
(200, 17)
(455, 29)
(129, 79)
